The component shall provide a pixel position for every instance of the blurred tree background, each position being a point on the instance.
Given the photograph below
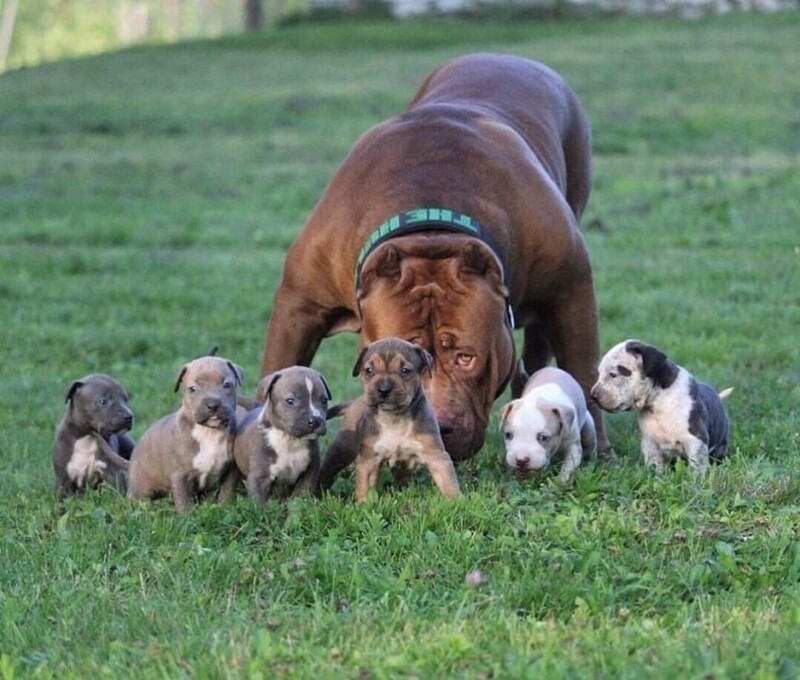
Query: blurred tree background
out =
(33, 31)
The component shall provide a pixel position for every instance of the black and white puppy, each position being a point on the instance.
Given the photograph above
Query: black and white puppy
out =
(678, 415)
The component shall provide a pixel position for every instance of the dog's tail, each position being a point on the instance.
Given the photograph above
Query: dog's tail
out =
(337, 410)
(725, 392)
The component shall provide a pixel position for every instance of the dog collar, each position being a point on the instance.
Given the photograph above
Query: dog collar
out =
(425, 219)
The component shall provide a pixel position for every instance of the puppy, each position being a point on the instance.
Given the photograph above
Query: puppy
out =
(91, 442)
(279, 442)
(392, 423)
(550, 419)
(191, 450)
(678, 415)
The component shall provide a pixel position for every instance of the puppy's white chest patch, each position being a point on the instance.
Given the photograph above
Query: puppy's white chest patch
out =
(212, 457)
(84, 468)
(293, 456)
(666, 422)
(396, 441)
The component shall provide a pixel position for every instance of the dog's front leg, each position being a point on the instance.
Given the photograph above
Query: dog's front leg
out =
(182, 492)
(295, 331)
(227, 488)
(443, 473)
(306, 484)
(340, 454)
(653, 455)
(573, 455)
(367, 469)
(697, 455)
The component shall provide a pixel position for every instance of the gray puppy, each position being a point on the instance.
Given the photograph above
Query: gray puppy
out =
(91, 442)
(678, 415)
(190, 451)
(278, 443)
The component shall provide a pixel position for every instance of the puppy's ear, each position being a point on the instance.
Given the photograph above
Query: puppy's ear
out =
(507, 412)
(655, 364)
(327, 389)
(359, 361)
(266, 384)
(566, 416)
(426, 358)
(238, 371)
(179, 379)
(384, 263)
(72, 389)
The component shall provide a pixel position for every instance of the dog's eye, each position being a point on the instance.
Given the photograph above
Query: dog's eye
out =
(290, 401)
(368, 370)
(406, 371)
(103, 401)
(542, 438)
(465, 360)
(508, 436)
(227, 384)
(193, 388)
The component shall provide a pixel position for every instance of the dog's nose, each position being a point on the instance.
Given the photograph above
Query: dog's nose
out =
(212, 406)
(314, 422)
(522, 463)
(446, 426)
(128, 421)
(385, 389)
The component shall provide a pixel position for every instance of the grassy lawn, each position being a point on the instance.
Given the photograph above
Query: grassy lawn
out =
(146, 202)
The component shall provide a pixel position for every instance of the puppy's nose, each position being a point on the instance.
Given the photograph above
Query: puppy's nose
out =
(128, 421)
(522, 462)
(212, 406)
(385, 389)
(314, 422)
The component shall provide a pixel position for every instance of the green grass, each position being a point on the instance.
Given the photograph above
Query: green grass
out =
(146, 201)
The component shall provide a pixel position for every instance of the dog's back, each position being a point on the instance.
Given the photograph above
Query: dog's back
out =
(708, 419)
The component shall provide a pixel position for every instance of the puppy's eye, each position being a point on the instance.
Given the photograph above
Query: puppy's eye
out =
(368, 370)
(542, 438)
(508, 436)
(227, 384)
(103, 401)
(464, 360)
(193, 388)
(405, 371)
(290, 401)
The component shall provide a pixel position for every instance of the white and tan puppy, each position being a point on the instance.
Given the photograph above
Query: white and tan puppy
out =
(678, 415)
(190, 451)
(549, 420)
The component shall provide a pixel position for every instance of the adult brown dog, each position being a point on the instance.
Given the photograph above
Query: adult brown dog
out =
(443, 220)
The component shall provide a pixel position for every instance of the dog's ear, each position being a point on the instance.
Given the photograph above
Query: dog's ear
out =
(238, 371)
(655, 364)
(384, 263)
(179, 379)
(566, 416)
(266, 384)
(478, 260)
(506, 411)
(325, 385)
(72, 389)
(426, 358)
(359, 361)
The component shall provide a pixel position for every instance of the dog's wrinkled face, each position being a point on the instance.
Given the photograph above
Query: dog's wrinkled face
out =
(448, 296)
(391, 371)
(627, 375)
(297, 401)
(100, 403)
(209, 390)
(532, 431)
